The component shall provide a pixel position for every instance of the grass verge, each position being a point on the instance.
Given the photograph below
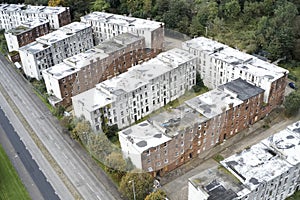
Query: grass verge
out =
(173, 104)
(11, 187)
(295, 196)
(218, 157)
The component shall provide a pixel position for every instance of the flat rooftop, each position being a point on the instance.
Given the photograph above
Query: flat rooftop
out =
(236, 58)
(214, 102)
(109, 46)
(174, 121)
(31, 9)
(255, 165)
(204, 44)
(121, 20)
(34, 47)
(61, 70)
(242, 88)
(84, 59)
(126, 82)
(144, 136)
(286, 143)
(62, 33)
(27, 25)
(93, 99)
(76, 62)
(136, 77)
(217, 184)
(127, 38)
(139, 75)
(176, 56)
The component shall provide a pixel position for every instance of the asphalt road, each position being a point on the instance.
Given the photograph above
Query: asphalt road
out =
(45, 189)
(49, 132)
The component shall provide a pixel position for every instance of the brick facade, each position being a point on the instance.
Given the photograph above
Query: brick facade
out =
(202, 125)
(202, 137)
(117, 62)
(30, 36)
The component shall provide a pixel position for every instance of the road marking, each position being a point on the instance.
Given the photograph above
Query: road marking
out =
(90, 187)
(80, 175)
(57, 145)
(65, 156)
(51, 138)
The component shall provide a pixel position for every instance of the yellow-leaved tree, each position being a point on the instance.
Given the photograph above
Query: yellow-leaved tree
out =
(54, 3)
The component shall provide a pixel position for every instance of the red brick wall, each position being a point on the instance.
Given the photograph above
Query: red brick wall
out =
(97, 72)
(203, 137)
(30, 36)
(64, 18)
(276, 96)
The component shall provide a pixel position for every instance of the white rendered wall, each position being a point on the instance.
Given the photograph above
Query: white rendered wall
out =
(130, 152)
(196, 193)
(12, 42)
(28, 64)
(52, 85)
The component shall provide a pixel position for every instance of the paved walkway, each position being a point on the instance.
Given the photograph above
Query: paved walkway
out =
(176, 182)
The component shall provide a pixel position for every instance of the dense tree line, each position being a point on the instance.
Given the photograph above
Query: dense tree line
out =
(265, 27)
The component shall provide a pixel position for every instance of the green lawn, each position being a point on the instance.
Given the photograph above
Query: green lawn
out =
(11, 187)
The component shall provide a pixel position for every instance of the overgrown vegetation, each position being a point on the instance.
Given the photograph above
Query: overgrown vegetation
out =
(218, 157)
(41, 92)
(266, 27)
(3, 46)
(177, 102)
(199, 83)
(157, 195)
(11, 187)
(292, 103)
(226, 171)
(142, 182)
(108, 154)
(295, 196)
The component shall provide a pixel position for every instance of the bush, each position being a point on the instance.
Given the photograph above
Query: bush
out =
(293, 77)
(292, 104)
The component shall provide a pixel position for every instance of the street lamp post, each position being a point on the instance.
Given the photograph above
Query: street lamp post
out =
(133, 189)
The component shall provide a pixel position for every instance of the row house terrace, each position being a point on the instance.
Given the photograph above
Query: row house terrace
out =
(82, 72)
(13, 15)
(132, 95)
(26, 33)
(107, 25)
(267, 170)
(193, 128)
(219, 64)
(54, 47)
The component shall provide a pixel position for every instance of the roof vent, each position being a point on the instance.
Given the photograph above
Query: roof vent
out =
(142, 143)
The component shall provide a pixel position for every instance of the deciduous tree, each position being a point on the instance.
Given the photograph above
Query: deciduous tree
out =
(100, 5)
(54, 3)
(232, 9)
(143, 183)
(292, 103)
(157, 195)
